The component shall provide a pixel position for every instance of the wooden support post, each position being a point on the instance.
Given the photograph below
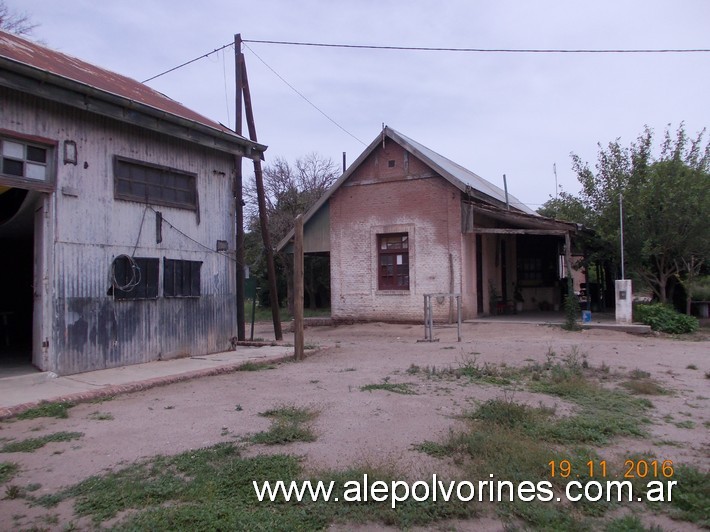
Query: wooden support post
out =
(263, 220)
(298, 289)
(238, 194)
(568, 266)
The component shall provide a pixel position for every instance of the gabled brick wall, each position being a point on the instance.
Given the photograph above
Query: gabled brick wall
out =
(390, 197)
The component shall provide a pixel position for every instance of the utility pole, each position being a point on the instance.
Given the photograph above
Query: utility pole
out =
(621, 230)
(261, 196)
(298, 289)
(238, 191)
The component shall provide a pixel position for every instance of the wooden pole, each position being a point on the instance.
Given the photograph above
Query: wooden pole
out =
(238, 193)
(263, 220)
(568, 266)
(298, 289)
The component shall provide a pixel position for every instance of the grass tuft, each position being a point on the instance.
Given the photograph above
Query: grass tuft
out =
(255, 366)
(691, 496)
(7, 471)
(394, 387)
(32, 444)
(46, 409)
(212, 489)
(289, 424)
(644, 387)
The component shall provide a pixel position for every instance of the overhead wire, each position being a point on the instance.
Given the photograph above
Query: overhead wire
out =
(488, 50)
(302, 95)
(417, 49)
(185, 235)
(189, 62)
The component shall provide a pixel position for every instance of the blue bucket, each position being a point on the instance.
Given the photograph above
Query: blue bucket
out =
(586, 316)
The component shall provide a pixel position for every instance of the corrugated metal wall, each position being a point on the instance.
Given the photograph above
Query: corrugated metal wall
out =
(91, 330)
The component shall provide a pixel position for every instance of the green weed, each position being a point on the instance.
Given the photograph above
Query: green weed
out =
(644, 387)
(58, 410)
(687, 424)
(101, 416)
(400, 387)
(289, 424)
(212, 489)
(32, 444)
(691, 496)
(7, 471)
(255, 366)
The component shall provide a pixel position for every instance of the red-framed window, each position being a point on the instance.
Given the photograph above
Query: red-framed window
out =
(393, 261)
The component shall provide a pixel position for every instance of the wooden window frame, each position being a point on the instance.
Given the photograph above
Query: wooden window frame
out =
(393, 261)
(24, 181)
(174, 188)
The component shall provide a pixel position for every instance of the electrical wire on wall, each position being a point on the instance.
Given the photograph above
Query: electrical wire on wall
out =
(226, 255)
(132, 280)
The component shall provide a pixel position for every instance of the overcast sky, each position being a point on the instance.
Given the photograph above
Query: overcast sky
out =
(513, 114)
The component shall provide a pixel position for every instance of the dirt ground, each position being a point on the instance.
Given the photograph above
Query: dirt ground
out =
(357, 427)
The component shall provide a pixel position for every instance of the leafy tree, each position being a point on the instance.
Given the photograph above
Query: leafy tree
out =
(565, 207)
(665, 203)
(290, 190)
(13, 22)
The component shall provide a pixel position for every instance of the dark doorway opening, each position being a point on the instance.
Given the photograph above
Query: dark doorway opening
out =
(17, 273)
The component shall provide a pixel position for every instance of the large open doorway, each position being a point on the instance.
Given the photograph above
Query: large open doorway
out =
(17, 267)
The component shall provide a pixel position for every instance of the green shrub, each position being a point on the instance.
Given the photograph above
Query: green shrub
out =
(700, 288)
(664, 318)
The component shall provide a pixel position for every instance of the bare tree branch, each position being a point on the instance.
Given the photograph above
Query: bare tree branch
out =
(14, 22)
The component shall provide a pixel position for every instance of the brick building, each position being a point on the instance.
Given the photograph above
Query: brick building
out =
(404, 221)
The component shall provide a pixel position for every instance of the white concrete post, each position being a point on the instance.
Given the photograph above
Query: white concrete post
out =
(624, 298)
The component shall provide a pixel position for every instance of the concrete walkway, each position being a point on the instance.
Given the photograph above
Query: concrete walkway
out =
(19, 393)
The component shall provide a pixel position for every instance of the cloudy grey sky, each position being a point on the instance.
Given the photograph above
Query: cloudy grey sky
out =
(513, 114)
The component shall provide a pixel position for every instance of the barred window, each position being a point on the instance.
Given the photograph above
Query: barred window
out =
(181, 278)
(158, 185)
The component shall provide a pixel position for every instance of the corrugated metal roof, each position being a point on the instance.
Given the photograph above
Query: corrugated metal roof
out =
(455, 172)
(31, 54)
(460, 177)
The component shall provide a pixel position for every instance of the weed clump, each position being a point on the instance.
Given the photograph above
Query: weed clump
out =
(32, 444)
(47, 409)
(289, 424)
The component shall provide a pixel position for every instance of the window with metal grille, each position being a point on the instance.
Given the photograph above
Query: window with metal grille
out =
(158, 185)
(20, 159)
(181, 278)
(135, 277)
(393, 261)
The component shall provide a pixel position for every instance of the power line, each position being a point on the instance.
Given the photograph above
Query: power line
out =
(442, 49)
(267, 66)
(294, 89)
(490, 50)
(189, 62)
